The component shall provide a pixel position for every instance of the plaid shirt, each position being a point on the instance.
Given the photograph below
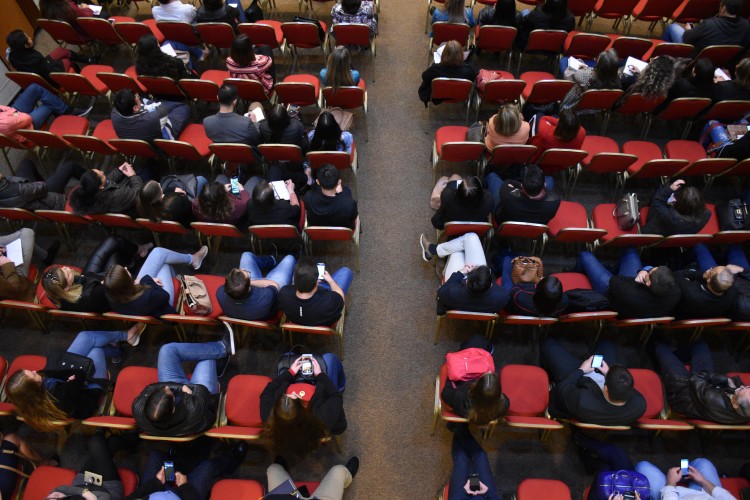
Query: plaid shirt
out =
(365, 15)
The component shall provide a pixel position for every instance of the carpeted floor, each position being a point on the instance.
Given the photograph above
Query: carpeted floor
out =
(390, 359)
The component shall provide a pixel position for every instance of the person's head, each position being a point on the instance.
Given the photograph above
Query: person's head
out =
(164, 2)
(150, 201)
(656, 79)
(533, 181)
(606, 74)
(703, 72)
(212, 5)
(147, 47)
(59, 10)
(160, 405)
(479, 280)
(18, 40)
(504, 9)
(91, 182)
(453, 54)
(730, 7)
(278, 120)
(568, 125)
(32, 401)
(486, 398)
(339, 68)
(59, 284)
(742, 74)
(328, 177)
(689, 203)
(237, 284)
(508, 120)
(327, 136)
(719, 279)
(118, 282)
(263, 197)
(293, 427)
(547, 296)
(455, 10)
(618, 384)
(227, 95)
(242, 52)
(558, 8)
(470, 191)
(661, 280)
(214, 202)
(305, 275)
(127, 102)
(741, 401)
(351, 6)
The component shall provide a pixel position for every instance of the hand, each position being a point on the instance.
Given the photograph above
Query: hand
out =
(643, 277)
(482, 489)
(316, 367)
(186, 389)
(179, 190)
(696, 476)
(634, 69)
(734, 269)
(158, 282)
(71, 378)
(180, 478)
(127, 169)
(688, 26)
(677, 185)
(615, 496)
(674, 475)
(604, 368)
(228, 187)
(586, 365)
(468, 268)
(327, 277)
(339, 188)
(289, 185)
(296, 366)
(160, 476)
(2, 250)
(4, 260)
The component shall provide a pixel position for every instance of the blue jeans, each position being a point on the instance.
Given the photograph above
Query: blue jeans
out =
(507, 266)
(158, 265)
(202, 476)
(673, 363)
(343, 278)
(179, 115)
(599, 276)
(735, 255)
(27, 100)
(95, 345)
(281, 274)
(171, 357)
(559, 362)
(470, 458)
(494, 184)
(335, 370)
(658, 480)
(673, 33)
(202, 182)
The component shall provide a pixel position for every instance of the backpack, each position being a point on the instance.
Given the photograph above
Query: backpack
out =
(468, 364)
(584, 300)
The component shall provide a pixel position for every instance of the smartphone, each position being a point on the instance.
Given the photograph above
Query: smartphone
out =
(321, 271)
(169, 472)
(597, 361)
(474, 482)
(307, 366)
(235, 183)
(91, 478)
(684, 464)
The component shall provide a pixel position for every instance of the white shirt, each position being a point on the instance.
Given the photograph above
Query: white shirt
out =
(682, 493)
(174, 11)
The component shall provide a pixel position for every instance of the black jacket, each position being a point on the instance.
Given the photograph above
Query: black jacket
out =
(634, 300)
(684, 87)
(17, 192)
(580, 397)
(453, 209)
(704, 395)
(454, 295)
(327, 403)
(93, 296)
(664, 219)
(154, 301)
(697, 301)
(729, 91)
(224, 14)
(282, 212)
(118, 196)
(194, 412)
(516, 206)
(718, 30)
(74, 397)
(32, 61)
(464, 71)
(739, 149)
(293, 134)
(322, 210)
(538, 19)
(456, 395)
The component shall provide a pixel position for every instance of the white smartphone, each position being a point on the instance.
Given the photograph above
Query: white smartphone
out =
(321, 271)
(597, 361)
(684, 464)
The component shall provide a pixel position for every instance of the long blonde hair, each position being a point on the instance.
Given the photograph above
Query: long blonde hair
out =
(339, 68)
(53, 281)
(34, 403)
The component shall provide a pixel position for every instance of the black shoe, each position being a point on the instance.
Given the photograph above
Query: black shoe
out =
(353, 466)
(52, 253)
(228, 340)
(281, 461)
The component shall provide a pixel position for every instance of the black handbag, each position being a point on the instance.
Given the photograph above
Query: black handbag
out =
(733, 215)
(254, 13)
(64, 360)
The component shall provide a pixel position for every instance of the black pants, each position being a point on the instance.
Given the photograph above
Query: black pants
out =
(100, 459)
(57, 181)
(112, 250)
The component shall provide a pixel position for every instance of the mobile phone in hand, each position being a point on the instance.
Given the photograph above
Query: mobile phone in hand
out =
(321, 271)
(169, 472)
(684, 464)
(474, 482)
(597, 361)
(235, 183)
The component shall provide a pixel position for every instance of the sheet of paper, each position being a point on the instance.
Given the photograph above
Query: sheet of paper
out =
(632, 62)
(438, 54)
(169, 50)
(280, 191)
(96, 9)
(14, 252)
(576, 64)
(719, 73)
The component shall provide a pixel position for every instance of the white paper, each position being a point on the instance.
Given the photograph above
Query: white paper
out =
(255, 113)
(13, 252)
(637, 63)
(169, 50)
(96, 9)
(719, 73)
(280, 191)
(438, 54)
(575, 64)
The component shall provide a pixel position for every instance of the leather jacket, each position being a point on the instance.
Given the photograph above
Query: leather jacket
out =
(194, 412)
(704, 396)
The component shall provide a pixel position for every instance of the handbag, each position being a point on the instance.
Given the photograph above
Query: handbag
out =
(527, 270)
(64, 360)
(254, 13)
(477, 132)
(345, 119)
(626, 212)
(321, 31)
(484, 76)
(733, 215)
(468, 364)
(621, 481)
(585, 300)
(196, 296)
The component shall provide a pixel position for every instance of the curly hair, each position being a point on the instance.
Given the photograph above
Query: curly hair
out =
(214, 202)
(656, 80)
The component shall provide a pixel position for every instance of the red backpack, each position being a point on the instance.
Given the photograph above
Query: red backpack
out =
(468, 364)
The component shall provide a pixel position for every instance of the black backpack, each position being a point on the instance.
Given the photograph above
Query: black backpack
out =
(584, 300)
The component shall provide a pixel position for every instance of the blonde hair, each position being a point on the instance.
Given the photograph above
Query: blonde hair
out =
(53, 284)
(34, 403)
(507, 120)
(339, 68)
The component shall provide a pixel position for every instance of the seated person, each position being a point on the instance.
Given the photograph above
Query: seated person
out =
(264, 208)
(698, 84)
(24, 57)
(704, 481)
(506, 127)
(332, 486)
(728, 27)
(246, 294)
(676, 209)
(150, 60)
(636, 291)
(327, 135)
(503, 13)
(171, 200)
(738, 265)
(193, 478)
(24, 112)
(707, 295)
(133, 119)
(564, 132)
(454, 11)
(701, 393)
(251, 63)
(452, 65)
(216, 202)
(217, 11)
(545, 298)
(551, 15)
(178, 406)
(464, 200)
(602, 396)
(280, 128)
(152, 291)
(338, 71)
(737, 89)
(29, 190)
(469, 285)
(469, 458)
(12, 449)
(356, 11)
(295, 423)
(479, 401)
(14, 281)
(604, 75)
(228, 126)
(74, 291)
(112, 193)
(176, 10)
(329, 203)
(310, 303)
(525, 201)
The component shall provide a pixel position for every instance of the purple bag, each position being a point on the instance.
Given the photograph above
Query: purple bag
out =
(621, 481)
